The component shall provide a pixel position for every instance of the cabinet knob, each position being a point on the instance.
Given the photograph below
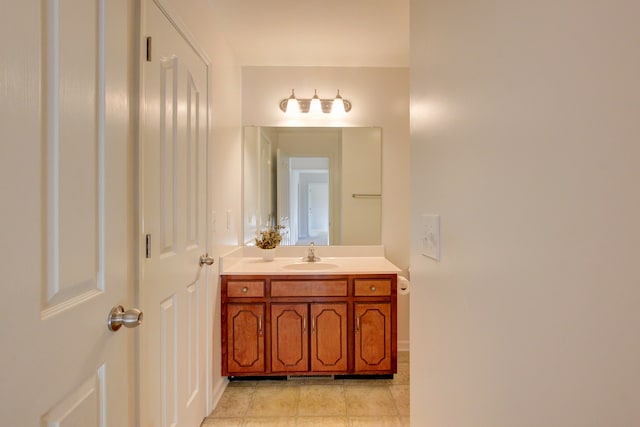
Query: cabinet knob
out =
(373, 288)
(244, 290)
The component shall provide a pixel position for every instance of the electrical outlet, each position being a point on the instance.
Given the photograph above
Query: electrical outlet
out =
(430, 237)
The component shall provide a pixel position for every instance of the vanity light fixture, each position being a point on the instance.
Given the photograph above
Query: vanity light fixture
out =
(317, 105)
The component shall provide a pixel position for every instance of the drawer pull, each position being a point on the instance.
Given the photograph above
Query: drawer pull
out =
(244, 290)
(373, 288)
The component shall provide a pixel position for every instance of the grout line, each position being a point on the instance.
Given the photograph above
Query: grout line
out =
(243, 415)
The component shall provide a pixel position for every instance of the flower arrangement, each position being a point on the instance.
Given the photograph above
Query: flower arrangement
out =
(269, 238)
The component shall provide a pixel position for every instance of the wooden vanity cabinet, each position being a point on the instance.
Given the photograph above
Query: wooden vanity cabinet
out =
(289, 341)
(245, 338)
(304, 324)
(329, 337)
(373, 326)
(308, 337)
(373, 337)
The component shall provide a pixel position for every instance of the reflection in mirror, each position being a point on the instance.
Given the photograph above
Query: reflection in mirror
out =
(322, 184)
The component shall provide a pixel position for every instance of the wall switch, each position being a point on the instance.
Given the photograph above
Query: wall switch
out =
(430, 238)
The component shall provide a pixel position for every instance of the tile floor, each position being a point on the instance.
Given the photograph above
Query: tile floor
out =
(316, 402)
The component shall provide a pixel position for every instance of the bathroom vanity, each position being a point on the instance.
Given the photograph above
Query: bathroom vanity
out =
(337, 317)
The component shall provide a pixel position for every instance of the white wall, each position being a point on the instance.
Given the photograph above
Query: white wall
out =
(525, 138)
(225, 150)
(361, 160)
(380, 99)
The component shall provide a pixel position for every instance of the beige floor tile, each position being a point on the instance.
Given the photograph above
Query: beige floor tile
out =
(269, 422)
(322, 400)
(234, 402)
(242, 383)
(322, 422)
(316, 402)
(372, 383)
(277, 383)
(323, 381)
(387, 421)
(367, 400)
(400, 395)
(403, 357)
(222, 422)
(272, 401)
(402, 377)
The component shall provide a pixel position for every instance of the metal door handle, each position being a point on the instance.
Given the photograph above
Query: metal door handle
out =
(118, 317)
(206, 259)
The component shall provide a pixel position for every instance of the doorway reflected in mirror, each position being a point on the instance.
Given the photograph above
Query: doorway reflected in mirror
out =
(306, 179)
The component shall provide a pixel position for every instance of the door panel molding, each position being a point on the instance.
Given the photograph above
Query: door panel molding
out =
(74, 137)
(168, 154)
(85, 406)
(169, 360)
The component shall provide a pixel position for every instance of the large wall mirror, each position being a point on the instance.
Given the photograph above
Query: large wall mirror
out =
(323, 185)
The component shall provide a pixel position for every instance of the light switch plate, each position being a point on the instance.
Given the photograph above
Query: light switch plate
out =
(430, 238)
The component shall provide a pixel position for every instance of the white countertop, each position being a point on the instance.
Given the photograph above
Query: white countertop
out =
(247, 263)
(327, 265)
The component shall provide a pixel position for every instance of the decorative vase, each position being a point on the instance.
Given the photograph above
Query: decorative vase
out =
(268, 254)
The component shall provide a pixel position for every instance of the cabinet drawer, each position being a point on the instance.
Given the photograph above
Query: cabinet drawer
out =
(308, 288)
(245, 288)
(372, 287)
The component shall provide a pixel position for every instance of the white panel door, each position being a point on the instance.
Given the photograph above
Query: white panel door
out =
(67, 252)
(318, 199)
(174, 135)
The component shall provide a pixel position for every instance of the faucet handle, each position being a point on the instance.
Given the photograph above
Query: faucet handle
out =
(312, 243)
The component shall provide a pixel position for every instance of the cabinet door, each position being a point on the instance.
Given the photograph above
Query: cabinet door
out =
(289, 338)
(245, 338)
(373, 337)
(329, 337)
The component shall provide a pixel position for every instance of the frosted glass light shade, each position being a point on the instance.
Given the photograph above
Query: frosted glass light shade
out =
(293, 106)
(315, 107)
(337, 107)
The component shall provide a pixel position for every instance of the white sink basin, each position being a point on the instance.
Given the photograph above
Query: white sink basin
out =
(310, 266)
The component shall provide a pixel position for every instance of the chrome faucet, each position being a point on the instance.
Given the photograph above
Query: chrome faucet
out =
(311, 254)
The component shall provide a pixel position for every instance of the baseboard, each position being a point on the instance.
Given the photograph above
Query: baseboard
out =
(218, 391)
(403, 345)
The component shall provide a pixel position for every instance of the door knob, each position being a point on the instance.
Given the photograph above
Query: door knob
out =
(118, 317)
(206, 259)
